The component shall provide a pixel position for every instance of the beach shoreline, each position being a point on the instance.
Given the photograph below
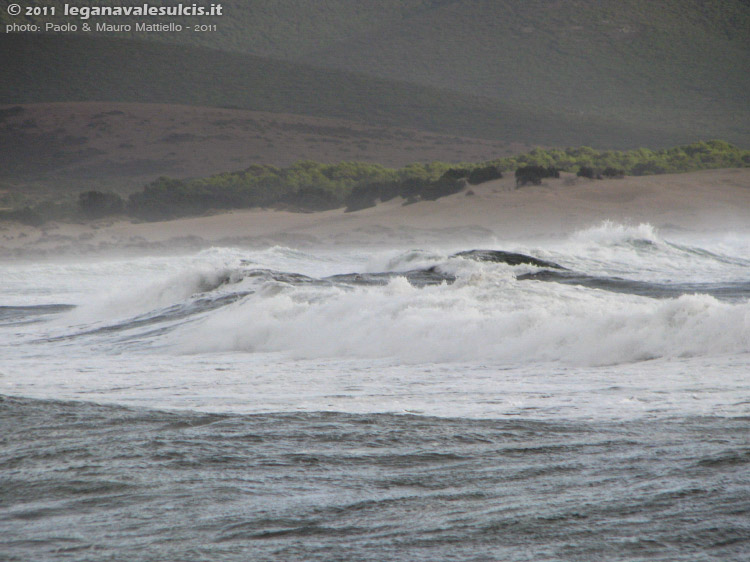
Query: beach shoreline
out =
(703, 201)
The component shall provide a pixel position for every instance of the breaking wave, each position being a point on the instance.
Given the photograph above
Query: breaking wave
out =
(556, 305)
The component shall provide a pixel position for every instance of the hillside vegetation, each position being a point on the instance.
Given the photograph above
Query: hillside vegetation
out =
(312, 186)
(676, 66)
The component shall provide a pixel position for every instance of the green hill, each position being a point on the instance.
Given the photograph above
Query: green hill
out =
(677, 66)
(75, 67)
(683, 63)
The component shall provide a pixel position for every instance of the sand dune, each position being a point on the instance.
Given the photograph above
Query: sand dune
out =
(712, 200)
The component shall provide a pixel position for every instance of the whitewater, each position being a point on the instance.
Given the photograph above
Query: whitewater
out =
(599, 383)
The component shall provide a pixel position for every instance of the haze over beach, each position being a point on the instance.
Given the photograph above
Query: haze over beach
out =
(396, 280)
(705, 202)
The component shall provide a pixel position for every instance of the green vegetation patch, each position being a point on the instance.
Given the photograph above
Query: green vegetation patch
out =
(311, 186)
(701, 155)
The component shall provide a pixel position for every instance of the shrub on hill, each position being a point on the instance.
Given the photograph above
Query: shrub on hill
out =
(40, 213)
(457, 173)
(95, 204)
(483, 174)
(535, 174)
(610, 172)
(312, 186)
(641, 161)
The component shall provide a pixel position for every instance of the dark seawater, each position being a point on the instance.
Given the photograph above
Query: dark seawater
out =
(87, 482)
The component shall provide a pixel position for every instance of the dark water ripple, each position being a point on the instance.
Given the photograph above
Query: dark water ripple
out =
(90, 482)
(13, 315)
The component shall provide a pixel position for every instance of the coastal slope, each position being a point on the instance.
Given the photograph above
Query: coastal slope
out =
(704, 201)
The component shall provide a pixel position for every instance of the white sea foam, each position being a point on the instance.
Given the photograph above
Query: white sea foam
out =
(488, 344)
(483, 317)
(610, 233)
(641, 252)
(487, 315)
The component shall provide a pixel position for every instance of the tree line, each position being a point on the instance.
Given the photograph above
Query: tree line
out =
(312, 186)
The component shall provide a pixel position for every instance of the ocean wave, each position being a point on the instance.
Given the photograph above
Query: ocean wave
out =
(424, 306)
(642, 252)
(496, 319)
(612, 233)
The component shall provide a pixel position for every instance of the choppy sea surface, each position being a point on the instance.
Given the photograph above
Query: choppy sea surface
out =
(583, 398)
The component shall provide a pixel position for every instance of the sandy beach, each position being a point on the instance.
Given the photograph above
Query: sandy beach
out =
(711, 200)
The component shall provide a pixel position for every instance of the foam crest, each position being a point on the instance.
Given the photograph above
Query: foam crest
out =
(641, 252)
(612, 233)
(131, 298)
(472, 320)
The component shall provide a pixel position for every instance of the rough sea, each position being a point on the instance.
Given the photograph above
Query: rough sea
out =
(579, 398)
